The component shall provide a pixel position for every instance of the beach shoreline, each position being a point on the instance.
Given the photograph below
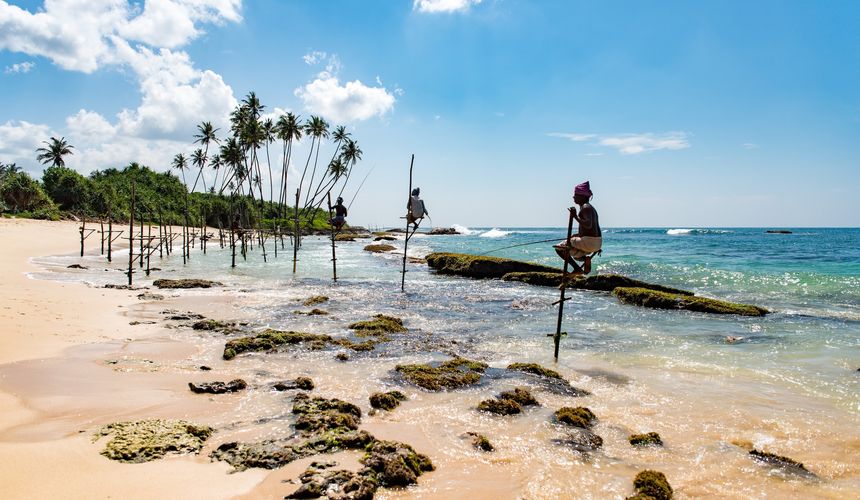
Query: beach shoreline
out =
(80, 364)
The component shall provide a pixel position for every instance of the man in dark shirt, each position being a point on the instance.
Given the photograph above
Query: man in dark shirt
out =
(339, 215)
(588, 238)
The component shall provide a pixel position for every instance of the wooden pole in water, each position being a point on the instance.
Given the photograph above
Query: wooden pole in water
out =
(110, 233)
(131, 236)
(406, 236)
(333, 256)
(296, 238)
(161, 234)
(557, 336)
(82, 229)
(148, 243)
(141, 239)
(102, 231)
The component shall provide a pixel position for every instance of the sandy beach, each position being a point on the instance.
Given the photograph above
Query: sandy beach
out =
(54, 395)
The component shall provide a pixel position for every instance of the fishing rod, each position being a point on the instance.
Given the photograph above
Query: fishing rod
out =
(359, 187)
(520, 245)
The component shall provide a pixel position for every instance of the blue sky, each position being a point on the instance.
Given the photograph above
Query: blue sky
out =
(679, 113)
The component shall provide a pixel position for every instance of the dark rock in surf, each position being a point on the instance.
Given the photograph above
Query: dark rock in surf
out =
(218, 387)
(186, 283)
(662, 300)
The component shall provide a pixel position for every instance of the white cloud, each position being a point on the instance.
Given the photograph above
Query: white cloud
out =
(352, 101)
(23, 67)
(436, 6)
(631, 144)
(90, 127)
(19, 140)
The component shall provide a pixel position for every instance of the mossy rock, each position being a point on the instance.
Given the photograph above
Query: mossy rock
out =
(520, 395)
(213, 324)
(783, 463)
(451, 374)
(218, 387)
(186, 283)
(380, 324)
(647, 439)
(578, 417)
(500, 406)
(395, 464)
(315, 300)
(385, 237)
(476, 266)
(480, 442)
(345, 237)
(367, 345)
(662, 300)
(318, 482)
(275, 453)
(380, 248)
(386, 400)
(535, 369)
(652, 484)
(312, 312)
(271, 339)
(146, 440)
(300, 383)
(597, 282)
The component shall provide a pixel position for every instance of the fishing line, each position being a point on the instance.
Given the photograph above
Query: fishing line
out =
(359, 187)
(520, 245)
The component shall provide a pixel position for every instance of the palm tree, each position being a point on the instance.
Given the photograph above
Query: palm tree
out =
(288, 130)
(54, 152)
(180, 163)
(205, 135)
(268, 130)
(317, 128)
(350, 153)
(339, 135)
(215, 163)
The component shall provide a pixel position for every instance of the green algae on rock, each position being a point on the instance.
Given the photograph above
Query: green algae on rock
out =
(218, 387)
(380, 248)
(312, 312)
(271, 339)
(535, 369)
(213, 324)
(476, 266)
(500, 406)
(317, 482)
(650, 484)
(451, 374)
(146, 440)
(315, 300)
(597, 282)
(480, 442)
(663, 300)
(300, 383)
(577, 417)
(186, 283)
(380, 324)
(520, 395)
(387, 400)
(395, 464)
(647, 439)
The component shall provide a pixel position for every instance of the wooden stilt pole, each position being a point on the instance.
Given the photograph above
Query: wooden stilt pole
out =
(558, 333)
(148, 243)
(296, 236)
(131, 236)
(102, 231)
(406, 235)
(83, 228)
(333, 256)
(161, 234)
(110, 234)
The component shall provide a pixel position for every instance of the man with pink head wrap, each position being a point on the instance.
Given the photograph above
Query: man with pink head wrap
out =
(588, 238)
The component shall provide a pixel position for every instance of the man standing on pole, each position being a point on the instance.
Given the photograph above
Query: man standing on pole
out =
(588, 238)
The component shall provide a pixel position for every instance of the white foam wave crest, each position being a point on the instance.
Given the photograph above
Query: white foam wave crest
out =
(463, 229)
(676, 232)
(495, 233)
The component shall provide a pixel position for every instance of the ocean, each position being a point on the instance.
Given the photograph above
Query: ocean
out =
(787, 382)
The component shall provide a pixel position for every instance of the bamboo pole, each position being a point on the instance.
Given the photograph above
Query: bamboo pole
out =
(110, 234)
(131, 236)
(148, 243)
(296, 238)
(406, 235)
(333, 256)
(557, 336)
(102, 232)
(83, 228)
(141, 240)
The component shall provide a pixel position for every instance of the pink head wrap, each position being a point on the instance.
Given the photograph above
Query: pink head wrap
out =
(583, 189)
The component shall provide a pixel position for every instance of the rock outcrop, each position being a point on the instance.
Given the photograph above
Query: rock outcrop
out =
(146, 440)
(663, 300)
(186, 283)
(476, 266)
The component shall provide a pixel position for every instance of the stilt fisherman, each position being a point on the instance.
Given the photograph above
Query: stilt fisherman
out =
(588, 239)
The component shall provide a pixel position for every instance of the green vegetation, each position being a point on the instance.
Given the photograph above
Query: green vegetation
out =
(378, 326)
(451, 374)
(663, 300)
(147, 440)
(597, 282)
(271, 339)
(186, 283)
(520, 396)
(315, 300)
(500, 406)
(480, 442)
(387, 400)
